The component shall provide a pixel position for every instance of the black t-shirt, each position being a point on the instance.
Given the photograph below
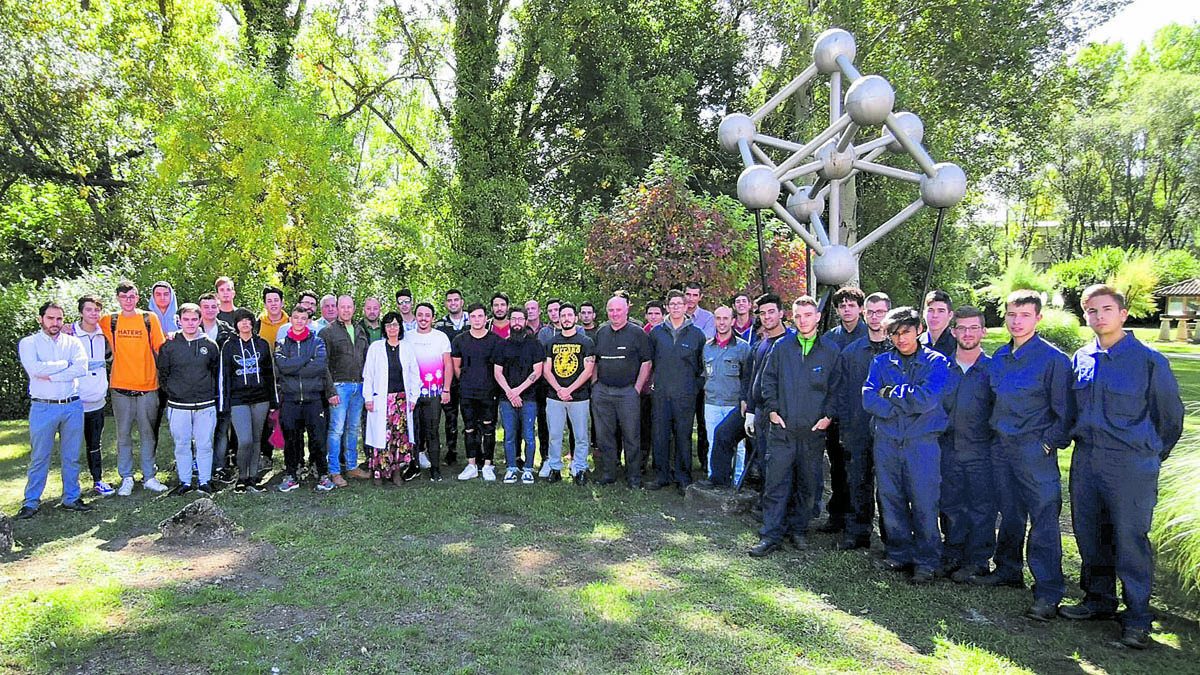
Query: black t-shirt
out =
(230, 316)
(567, 356)
(518, 357)
(395, 370)
(620, 353)
(478, 356)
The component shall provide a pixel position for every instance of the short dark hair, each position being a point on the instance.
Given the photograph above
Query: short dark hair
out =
(673, 293)
(309, 294)
(48, 305)
(501, 295)
(453, 291)
(848, 293)
(92, 298)
(768, 299)
(1025, 297)
(476, 305)
(582, 305)
(125, 285)
(741, 294)
(267, 290)
(552, 301)
(390, 317)
(243, 314)
(567, 305)
(300, 308)
(1097, 290)
(938, 296)
(189, 307)
(657, 305)
(206, 296)
(403, 293)
(878, 296)
(516, 309)
(425, 304)
(692, 285)
(967, 312)
(902, 317)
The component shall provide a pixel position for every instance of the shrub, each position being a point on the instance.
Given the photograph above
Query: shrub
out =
(1175, 266)
(1136, 279)
(1060, 328)
(1176, 530)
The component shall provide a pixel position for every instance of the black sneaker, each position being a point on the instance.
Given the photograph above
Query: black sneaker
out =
(921, 577)
(1041, 610)
(1084, 612)
(435, 475)
(79, 506)
(581, 478)
(554, 477)
(206, 489)
(995, 579)
(764, 549)
(180, 490)
(1135, 638)
(26, 513)
(240, 487)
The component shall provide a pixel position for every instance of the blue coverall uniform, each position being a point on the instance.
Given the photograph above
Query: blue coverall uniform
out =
(1129, 418)
(904, 395)
(839, 487)
(678, 376)
(854, 365)
(796, 386)
(1032, 417)
(968, 493)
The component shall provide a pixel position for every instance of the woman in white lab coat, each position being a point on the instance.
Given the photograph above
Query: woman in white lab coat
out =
(391, 385)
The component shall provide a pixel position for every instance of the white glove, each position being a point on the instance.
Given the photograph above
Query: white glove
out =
(749, 424)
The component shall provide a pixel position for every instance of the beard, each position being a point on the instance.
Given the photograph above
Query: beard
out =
(521, 333)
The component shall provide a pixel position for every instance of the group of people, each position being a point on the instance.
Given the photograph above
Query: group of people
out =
(915, 418)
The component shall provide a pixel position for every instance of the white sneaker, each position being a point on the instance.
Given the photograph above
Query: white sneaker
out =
(489, 472)
(469, 472)
(103, 489)
(126, 488)
(425, 463)
(153, 485)
(544, 472)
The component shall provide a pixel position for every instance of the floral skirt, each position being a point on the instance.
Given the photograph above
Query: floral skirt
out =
(398, 454)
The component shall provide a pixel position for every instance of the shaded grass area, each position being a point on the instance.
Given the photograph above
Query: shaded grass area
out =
(488, 578)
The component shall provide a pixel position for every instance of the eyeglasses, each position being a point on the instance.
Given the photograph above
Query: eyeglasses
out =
(876, 312)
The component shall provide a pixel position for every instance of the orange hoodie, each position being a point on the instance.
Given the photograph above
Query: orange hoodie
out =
(133, 365)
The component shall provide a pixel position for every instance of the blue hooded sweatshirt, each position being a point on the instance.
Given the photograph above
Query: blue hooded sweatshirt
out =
(170, 318)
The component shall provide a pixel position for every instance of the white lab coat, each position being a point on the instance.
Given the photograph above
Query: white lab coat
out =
(375, 385)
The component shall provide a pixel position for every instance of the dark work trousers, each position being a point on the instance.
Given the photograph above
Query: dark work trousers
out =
(860, 482)
(450, 411)
(223, 439)
(428, 412)
(1030, 490)
(540, 391)
(727, 435)
(93, 430)
(613, 409)
(1113, 493)
(787, 489)
(701, 435)
(839, 491)
(479, 429)
(673, 422)
(296, 418)
(162, 407)
(646, 403)
(909, 476)
(968, 508)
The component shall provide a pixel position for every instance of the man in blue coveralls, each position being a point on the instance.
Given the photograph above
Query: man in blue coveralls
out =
(1032, 416)
(676, 346)
(853, 367)
(904, 393)
(1129, 418)
(968, 496)
(798, 403)
(848, 301)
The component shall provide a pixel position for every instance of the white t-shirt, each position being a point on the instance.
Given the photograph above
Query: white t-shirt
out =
(429, 349)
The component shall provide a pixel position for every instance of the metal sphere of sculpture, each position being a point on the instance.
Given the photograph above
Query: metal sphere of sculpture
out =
(757, 187)
(835, 157)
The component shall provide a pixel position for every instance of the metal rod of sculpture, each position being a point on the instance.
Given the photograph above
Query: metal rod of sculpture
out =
(832, 156)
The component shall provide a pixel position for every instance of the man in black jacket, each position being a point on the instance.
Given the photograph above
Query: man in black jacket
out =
(301, 365)
(676, 347)
(798, 405)
(188, 364)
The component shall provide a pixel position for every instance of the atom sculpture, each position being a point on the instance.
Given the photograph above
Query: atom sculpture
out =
(834, 158)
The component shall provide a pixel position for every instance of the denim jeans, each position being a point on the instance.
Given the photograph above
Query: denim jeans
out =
(557, 413)
(142, 411)
(193, 425)
(46, 420)
(344, 421)
(713, 416)
(519, 424)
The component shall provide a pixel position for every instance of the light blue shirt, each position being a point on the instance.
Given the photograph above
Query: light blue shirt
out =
(62, 360)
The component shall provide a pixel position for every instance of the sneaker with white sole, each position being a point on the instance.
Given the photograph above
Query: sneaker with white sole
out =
(425, 463)
(153, 485)
(489, 472)
(469, 472)
(325, 484)
(103, 489)
(126, 488)
(527, 477)
(544, 472)
(511, 475)
(288, 484)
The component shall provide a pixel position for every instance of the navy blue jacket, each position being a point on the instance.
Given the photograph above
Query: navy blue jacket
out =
(945, 345)
(798, 386)
(1127, 398)
(854, 364)
(303, 369)
(678, 361)
(969, 404)
(1033, 393)
(914, 406)
(843, 338)
(754, 395)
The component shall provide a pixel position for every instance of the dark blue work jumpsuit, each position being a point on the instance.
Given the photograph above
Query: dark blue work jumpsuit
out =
(1129, 418)
(855, 422)
(968, 493)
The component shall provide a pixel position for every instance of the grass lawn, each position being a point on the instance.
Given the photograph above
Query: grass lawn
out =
(489, 578)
